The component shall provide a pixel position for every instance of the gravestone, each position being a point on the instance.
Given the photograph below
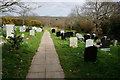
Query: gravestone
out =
(9, 30)
(105, 37)
(106, 44)
(62, 31)
(68, 34)
(53, 30)
(63, 36)
(58, 34)
(90, 54)
(93, 36)
(73, 42)
(79, 36)
(34, 28)
(28, 29)
(38, 30)
(89, 42)
(115, 42)
(22, 29)
(32, 32)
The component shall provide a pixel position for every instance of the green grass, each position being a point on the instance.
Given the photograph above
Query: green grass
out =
(16, 63)
(72, 61)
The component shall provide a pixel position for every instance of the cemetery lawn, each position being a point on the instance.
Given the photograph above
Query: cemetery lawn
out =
(16, 63)
(72, 61)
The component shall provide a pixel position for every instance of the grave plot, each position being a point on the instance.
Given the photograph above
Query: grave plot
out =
(86, 60)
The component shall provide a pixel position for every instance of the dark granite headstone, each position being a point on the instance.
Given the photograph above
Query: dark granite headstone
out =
(90, 54)
(63, 36)
(53, 30)
(92, 36)
(27, 30)
(68, 34)
(58, 34)
(106, 44)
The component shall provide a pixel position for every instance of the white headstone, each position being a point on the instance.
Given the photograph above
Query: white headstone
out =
(115, 42)
(62, 31)
(94, 34)
(22, 29)
(79, 35)
(32, 32)
(73, 42)
(9, 30)
(34, 28)
(89, 42)
(38, 30)
(105, 37)
(88, 34)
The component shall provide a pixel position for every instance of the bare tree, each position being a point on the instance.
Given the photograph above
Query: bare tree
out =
(97, 12)
(9, 5)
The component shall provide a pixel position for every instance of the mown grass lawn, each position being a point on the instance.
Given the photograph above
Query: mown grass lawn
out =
(15, 64)
(72, 61)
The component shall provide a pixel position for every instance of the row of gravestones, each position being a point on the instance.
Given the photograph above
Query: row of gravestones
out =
(23, 29)
(74, 43)
(30, 29)
(104, 42)
(62, 33)
(10, 29)
(90, 53)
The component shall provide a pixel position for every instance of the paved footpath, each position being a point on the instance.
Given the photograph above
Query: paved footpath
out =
(45, 63)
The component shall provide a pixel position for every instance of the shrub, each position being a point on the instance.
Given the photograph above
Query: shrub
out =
(15, 41)
(3, 33)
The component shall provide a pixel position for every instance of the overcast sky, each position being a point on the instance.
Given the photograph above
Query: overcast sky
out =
(55, 8)
(58, 7)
